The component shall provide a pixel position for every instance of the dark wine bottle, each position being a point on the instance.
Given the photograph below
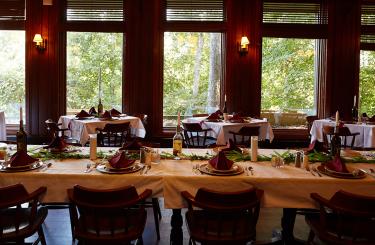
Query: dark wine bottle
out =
(21, 138)
(100, 107)
(336, 143)
(177, 139)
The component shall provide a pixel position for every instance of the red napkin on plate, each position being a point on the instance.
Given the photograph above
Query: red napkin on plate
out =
(92, 111)
(114, 112)
(120, 160)
(236, 118)
(106, 115)
(215, 115)
(57, 144)
(21, 158)
(231, 146)
(337, 165)
(134, 145)
(83, 113)
(221, 162)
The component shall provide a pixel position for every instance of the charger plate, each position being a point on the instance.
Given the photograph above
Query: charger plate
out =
(353, 174)
(4, 167)
(131, 169)
(207, 169)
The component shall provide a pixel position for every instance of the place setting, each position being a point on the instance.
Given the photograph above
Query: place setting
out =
(220, 165)
(20, 162)
(120, 163)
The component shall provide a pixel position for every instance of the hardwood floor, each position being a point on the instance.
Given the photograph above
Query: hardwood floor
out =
(57, 227)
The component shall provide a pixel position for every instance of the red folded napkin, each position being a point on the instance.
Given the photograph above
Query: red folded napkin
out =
(337, 165)
(92, 111)
(134, 145)
(57, 144)
(120, 160)
(21, 158)
(231, 146)
(221, 162)
(107, 115)
(83, 113)
(114, 112)
(237, 118)
(214, 116)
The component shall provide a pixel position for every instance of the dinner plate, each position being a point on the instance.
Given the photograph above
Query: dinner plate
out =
(4, 167)
(133, 168)
(213, 120)
(84, 118)
(207, 169)
(108, 166)
(351, 170)
(105, 119)
(234, 168)
(356, 174)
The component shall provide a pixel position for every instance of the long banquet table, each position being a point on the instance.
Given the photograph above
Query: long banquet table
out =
(220, 130)
(80, 129)
(365, 139)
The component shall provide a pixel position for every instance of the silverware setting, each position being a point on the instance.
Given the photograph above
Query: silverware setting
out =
(45, 167)
(251, 170)
(316, 171)
(88, 168)
(146, 169)
(196, 169)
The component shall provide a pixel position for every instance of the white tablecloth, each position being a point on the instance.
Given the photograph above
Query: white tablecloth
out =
(220, 130)
(80, 129)
(3, 131)
(284, 187)
(366, 137)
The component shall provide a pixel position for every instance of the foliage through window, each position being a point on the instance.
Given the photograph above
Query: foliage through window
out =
(90, 56)
(288, 80)
(367, 83)
(192, 74)
(12, 74)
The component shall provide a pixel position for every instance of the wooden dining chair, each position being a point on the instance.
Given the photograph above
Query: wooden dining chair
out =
(19, 222)
(196, 137)
(244, 134)
(107, 216)
(114, 134)
(222, 217)
(54, 130)
(346, 218)
(344, 132)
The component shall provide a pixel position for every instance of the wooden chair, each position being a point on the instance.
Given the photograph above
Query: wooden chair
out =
(344, 132)
(344, 219)
(196, 137)
(17, 222)
(245, 133)
(222, 217)
(107, 216)
(54, 130)
(310, 120)
(114, 134)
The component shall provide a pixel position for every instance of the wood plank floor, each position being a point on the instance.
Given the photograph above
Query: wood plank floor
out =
(57, 227)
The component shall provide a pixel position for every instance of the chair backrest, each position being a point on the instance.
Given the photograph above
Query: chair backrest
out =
(344, 132)
(194, 135)
(354, 217)
(244, 134)
(52, 127)
(225, 215)
(114, 134)
(15, 196)
(107, 214)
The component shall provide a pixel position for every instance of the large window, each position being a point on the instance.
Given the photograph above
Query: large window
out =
(367, 83)
(192, 74)
(12, 74)
(288, 80)
(93, 59)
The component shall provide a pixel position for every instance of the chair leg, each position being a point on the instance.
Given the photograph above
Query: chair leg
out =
(158, 207)
(71, 221)
(311, 237)
(155, 210)
(41, 236)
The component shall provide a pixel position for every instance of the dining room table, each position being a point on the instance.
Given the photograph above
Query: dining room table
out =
(365, 139)
(81, 128)
(221, 128)
(287, 187)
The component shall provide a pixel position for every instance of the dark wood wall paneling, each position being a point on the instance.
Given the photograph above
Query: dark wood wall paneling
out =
(45, 86)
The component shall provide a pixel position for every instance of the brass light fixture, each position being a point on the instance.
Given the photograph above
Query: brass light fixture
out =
(40, 43)
(243, 46)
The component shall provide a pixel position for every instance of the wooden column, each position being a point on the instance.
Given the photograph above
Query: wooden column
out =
(243, 72)
(343, 56)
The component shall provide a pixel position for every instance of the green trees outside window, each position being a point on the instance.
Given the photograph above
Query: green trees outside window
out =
(367, 83)
(192, 74)
(12, 74)
(288, 81)
(91, 55)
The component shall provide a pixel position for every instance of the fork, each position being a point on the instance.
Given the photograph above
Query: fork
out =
(251, 169)
(316, 171)
(88, 168)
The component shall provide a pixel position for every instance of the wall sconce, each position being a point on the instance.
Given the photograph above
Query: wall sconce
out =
(40, 43)
(243, 47)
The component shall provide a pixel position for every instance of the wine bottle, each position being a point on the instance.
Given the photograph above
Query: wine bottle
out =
(336, 142)
(21, 138)
(177, 139)
(355, 110)
(100, 107)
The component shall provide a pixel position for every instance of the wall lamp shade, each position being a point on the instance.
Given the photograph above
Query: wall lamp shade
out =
(243, 46)
(40, 43)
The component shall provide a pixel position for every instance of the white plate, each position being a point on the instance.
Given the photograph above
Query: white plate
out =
(133, 168)
(207, 169)
(35, 165)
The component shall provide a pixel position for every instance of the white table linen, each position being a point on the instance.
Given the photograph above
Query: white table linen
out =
(365, 139)
(3, 131)
(220, 130)
(284, 187)
(80, 129)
